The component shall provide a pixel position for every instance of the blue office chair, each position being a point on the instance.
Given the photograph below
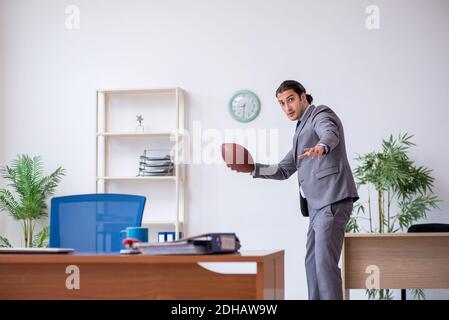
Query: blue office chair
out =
(92, 222)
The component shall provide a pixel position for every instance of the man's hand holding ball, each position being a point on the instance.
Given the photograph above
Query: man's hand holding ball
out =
(237, 157)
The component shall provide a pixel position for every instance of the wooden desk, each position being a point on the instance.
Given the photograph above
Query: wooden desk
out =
(140, 277)
(405, 260)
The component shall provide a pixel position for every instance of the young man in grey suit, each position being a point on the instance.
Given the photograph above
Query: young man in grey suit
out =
(325, 180)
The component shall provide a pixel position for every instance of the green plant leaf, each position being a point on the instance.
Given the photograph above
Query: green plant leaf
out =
(418, 294)
(414, 208)
(9, 203)
(4, 243)
(26, 198)
(352, 226)
(395, 178)
(40, 240)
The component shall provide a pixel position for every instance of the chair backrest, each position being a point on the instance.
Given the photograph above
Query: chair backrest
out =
(429, 227)
(92, 222)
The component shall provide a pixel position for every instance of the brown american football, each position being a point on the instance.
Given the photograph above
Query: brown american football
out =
(237, 157)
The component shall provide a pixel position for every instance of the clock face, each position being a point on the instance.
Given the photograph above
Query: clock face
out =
(244, 106)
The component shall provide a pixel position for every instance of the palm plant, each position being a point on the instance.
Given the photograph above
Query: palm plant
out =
(27, 201)
(396, 180)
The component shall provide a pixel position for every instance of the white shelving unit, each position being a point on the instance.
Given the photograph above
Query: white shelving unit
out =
(118, 147)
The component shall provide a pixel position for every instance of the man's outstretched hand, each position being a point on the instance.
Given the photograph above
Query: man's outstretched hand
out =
(314, 152)
(237, 157)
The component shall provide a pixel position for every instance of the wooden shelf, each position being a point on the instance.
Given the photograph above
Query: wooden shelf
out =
(139, 178)
(139, 90)
(159, 222)
(110, 103)
(132, 134)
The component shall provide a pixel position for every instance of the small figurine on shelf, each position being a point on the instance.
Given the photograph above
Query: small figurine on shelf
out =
(139, 127)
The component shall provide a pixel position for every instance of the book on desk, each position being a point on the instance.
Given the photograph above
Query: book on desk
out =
(208, 243)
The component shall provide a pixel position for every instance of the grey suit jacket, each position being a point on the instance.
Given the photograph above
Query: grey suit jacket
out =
(323, 181)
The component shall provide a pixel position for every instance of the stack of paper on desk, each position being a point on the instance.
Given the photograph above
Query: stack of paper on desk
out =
(209, 243)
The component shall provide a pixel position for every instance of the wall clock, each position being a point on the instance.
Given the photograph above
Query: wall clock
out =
(244, 106)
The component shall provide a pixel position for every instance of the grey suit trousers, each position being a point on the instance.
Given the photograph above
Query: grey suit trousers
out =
(324, 244)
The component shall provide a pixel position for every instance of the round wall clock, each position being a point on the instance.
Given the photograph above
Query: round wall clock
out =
(244, 106)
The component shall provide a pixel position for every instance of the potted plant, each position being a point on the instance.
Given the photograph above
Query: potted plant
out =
(26, 202)
(403, 194)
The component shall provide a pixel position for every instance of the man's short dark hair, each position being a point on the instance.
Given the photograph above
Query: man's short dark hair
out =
(295, 86)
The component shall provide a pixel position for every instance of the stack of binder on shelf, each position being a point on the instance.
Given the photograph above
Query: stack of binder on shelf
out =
(155, 165)
(209, 243)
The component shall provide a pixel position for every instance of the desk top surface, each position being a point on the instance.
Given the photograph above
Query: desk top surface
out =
(244, 256)
(397, 235)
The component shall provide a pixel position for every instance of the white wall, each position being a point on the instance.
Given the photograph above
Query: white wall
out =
(380, 82)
